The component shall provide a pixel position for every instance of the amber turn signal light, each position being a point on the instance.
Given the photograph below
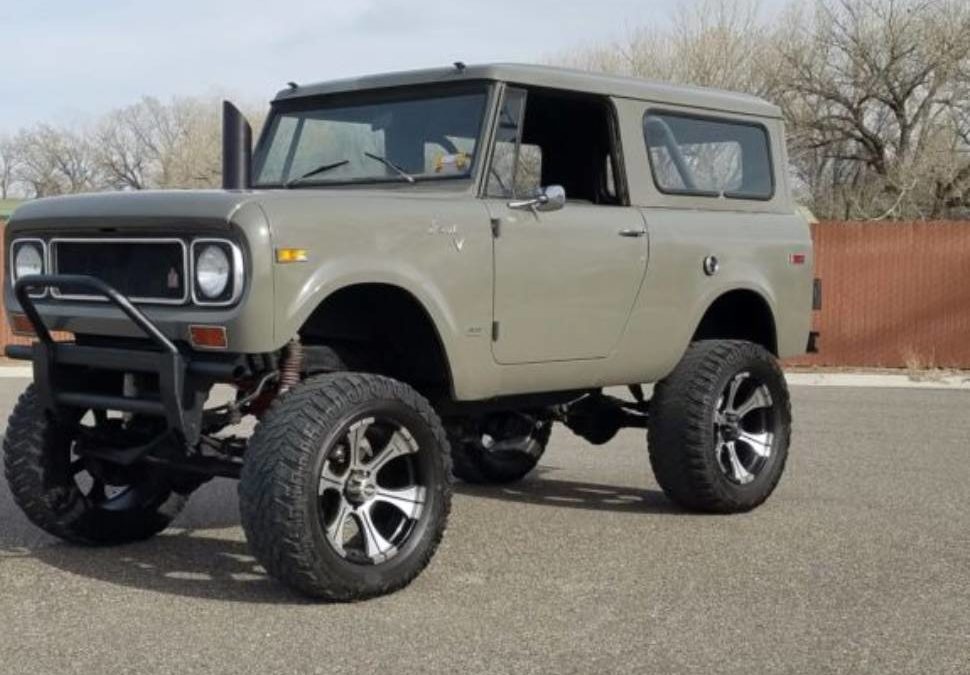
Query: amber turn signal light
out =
(210, 337)
(291, 255)
(20, 325)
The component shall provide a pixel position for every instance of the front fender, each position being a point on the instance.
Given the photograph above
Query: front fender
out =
(438, 248)
(337, 274)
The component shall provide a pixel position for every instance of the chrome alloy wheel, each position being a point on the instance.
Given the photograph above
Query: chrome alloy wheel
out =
(744, 420)
(370, 491)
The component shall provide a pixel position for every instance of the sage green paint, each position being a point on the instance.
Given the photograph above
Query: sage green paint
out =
(578, 305)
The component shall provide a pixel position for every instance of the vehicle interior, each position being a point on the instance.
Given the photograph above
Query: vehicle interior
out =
(568, 139)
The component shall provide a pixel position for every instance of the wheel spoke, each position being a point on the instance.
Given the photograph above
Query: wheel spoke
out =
(356, 441)
(329, 480)
(760, 444)
(731, 404)
(759, 398)
(376, 547)
(400, 444)
(335, 530)
(741, 474)
(409, 501)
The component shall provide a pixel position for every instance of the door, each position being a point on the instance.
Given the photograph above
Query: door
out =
(565, 280)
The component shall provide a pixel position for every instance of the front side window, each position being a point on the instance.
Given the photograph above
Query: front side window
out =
(382, 137)
(708, 157)
(516, 169)
(547, 137)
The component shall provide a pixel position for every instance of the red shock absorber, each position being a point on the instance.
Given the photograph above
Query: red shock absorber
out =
(292, 365)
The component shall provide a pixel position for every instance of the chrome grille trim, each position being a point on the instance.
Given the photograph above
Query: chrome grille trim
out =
(186, 270)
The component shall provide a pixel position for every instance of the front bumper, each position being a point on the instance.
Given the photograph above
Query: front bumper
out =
(69, 375)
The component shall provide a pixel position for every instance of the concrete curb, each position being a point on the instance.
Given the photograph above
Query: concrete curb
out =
(865, 380)
(877, 380)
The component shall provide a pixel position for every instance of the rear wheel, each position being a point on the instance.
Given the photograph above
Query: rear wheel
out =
(501, 448)
(719, 427)
(345, 488)
(80, 499)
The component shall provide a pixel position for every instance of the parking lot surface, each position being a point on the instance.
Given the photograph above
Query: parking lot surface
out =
(860, 562)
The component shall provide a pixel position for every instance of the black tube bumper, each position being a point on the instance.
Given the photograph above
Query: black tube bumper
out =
(183, 379)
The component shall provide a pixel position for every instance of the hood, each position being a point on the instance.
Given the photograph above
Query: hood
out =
(189, 204)
(208, 205)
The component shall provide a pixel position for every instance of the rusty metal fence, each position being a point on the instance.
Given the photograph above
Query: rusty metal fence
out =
(893, 295)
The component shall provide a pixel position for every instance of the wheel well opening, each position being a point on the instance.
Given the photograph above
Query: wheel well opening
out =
(739, 315)
(382, 329)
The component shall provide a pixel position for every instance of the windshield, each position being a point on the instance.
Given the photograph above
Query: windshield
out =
(382, 137)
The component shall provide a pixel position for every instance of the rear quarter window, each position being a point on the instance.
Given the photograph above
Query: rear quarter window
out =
(708, 157)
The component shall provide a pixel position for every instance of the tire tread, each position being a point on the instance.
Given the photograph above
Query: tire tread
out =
(276, 462)
(678, 426)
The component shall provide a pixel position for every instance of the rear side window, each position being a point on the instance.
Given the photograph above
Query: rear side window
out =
(708, 157)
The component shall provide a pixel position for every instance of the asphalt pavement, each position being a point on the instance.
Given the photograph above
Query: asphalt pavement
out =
(860, 563)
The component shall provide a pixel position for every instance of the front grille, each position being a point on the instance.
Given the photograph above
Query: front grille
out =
(144, 270)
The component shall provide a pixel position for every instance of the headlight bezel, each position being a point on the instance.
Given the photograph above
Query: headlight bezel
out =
(15, 246)
(234, 287)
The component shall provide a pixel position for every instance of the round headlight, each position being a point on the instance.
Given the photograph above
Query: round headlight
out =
(28, 260)
(212, 271)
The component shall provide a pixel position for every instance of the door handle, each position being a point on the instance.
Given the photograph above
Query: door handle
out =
(632, 232)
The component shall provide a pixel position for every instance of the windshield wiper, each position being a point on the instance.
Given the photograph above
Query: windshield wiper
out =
(388, 163)
(319, 169)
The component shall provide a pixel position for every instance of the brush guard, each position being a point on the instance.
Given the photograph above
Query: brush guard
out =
(183, 381)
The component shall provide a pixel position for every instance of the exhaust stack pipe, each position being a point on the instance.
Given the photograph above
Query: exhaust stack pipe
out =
(237, 148)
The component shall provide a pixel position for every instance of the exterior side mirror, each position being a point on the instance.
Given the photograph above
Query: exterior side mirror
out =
(551, 198)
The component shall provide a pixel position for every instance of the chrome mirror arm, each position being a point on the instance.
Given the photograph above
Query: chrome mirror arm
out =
(551, 198)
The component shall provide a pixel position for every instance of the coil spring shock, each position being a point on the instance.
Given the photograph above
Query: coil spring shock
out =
(291, 365)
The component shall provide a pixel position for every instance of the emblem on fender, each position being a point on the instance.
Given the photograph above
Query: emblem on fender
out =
(450, 230)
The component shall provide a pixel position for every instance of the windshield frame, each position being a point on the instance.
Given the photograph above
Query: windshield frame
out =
(390, 94)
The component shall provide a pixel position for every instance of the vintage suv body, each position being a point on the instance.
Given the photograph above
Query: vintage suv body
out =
(414, 271)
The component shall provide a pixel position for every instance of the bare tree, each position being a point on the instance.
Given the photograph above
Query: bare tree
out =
(9, 162)
(164, 145)
(125, 157)
(713, 43)
(55, 161)
(873, 91)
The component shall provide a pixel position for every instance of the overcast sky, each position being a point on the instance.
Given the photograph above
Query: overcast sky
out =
(66, 61)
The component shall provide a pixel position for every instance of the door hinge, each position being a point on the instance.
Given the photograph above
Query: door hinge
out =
(495, 331)
(496, 227)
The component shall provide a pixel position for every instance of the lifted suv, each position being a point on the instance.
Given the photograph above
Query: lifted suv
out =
(416, 274)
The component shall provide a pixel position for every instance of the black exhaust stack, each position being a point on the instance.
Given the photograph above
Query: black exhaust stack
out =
(237, 148)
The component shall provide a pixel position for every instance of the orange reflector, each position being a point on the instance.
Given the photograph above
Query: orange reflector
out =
(212, 337)
(21, 325)
(290, 255)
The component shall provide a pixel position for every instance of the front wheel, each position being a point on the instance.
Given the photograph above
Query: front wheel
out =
(79, 499)
(719, 427)
(345, 488)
